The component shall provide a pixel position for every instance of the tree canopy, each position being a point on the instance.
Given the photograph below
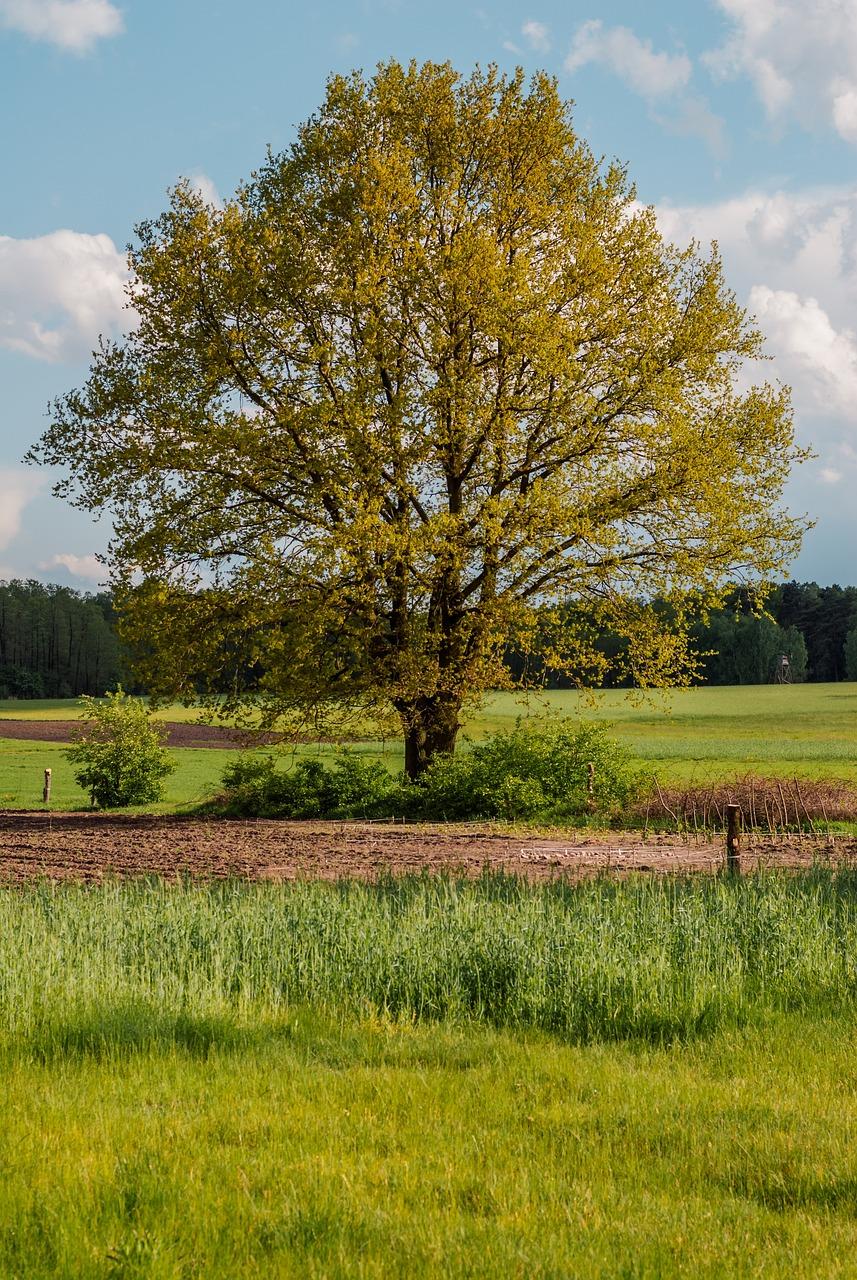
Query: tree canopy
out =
(430, 367)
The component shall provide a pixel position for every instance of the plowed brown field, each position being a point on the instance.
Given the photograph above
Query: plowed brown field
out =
(91, 847)
(176, 734)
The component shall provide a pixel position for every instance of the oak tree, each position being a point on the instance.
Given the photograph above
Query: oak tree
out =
(432, 366)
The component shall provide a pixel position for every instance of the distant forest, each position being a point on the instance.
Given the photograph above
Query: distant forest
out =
(60, 643)
(56, 643)
(814, 627)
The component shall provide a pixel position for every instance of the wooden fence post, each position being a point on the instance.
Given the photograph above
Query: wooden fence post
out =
(733, 839)
(46, 791)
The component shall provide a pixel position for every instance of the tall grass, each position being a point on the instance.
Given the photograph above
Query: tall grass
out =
(131, 965)
(167, 1110)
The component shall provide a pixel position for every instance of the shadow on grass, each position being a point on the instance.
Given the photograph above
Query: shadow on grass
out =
(124, 1030)
(309, 1036)
(787, 1189)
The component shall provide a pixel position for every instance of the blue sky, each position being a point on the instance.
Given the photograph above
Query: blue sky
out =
(737, 120)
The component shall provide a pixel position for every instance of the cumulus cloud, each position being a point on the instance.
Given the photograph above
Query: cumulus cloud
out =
(58, 292)
(644, 70)
(75, 25)
(800, 331)
(201, 183)
(792, 259)
(801, 58)
(804, 242)
(537, 36)
(661, 78)
(17, 490)
(89, 567)
(845, 110)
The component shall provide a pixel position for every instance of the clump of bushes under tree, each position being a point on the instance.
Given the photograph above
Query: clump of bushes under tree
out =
(565, 771)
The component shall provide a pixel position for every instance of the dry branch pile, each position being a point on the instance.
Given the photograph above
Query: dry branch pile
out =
(767, 804)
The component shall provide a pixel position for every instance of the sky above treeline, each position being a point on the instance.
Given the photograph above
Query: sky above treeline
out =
(737, 120)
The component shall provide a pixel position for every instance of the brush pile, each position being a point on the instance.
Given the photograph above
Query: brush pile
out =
(767, 804)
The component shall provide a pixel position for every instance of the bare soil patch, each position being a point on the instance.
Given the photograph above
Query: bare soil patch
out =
(92, 847)
(177, 734)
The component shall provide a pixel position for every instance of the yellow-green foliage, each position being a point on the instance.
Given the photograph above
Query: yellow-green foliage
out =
(117, 754)
(431, 365)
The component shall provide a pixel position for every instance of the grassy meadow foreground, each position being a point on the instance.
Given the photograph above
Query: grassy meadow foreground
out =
(691, 736)
(647, 1077)
(430, 1077)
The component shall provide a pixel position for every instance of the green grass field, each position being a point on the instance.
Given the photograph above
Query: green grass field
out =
(691, 735)
(321, 1081)
(22, 766)
(343, 1149)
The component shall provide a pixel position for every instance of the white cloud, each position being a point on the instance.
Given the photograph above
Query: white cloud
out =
(661, 78)
(72, 24)
(201, 183)
(845, 110)
(804, 242)
(537, 36)
(800, 332)
(792, 259)
(79, 566)
(647, 72)
(58, 292)
(801, 58)
(17, 489)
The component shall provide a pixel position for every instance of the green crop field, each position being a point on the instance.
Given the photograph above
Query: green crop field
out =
(691, 735)
(649, 1079)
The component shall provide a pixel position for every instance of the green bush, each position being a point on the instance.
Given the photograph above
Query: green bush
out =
(118, 756)
(253, 786)
(530, 772)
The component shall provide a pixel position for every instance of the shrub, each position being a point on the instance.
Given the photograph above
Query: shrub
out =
(118, 755)
(255, 787)
(530, 771)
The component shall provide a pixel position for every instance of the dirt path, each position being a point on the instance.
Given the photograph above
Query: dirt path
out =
(89, 847)
(177, 734)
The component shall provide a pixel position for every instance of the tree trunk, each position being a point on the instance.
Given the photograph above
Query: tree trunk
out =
(431, 727)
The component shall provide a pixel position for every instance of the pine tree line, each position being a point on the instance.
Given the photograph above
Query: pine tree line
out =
(56, 642)
(59, 643)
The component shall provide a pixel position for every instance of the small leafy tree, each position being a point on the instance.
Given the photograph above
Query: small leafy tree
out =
(118, 755)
